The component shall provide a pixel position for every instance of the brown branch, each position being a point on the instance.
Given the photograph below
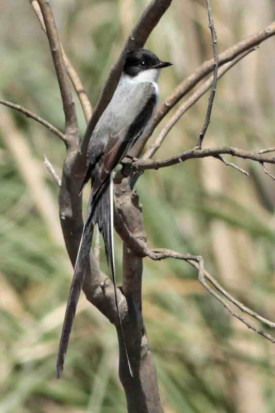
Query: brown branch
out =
(138, 245)
(232, 165)
(187, 105)
(73, 75)
(70, 207)
(35, 117)
(200, 73)
(141, 390)
(267, 150)
(267, 172)
(71, 129)
(195, 153)
(215, 75)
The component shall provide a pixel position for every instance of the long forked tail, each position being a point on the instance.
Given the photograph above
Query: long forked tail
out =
(101, 213)
(104, 218)
(76, 286)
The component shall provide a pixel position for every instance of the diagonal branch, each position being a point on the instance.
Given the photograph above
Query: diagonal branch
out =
(35, 117)
(75, 79)
(139, 247)
(232, 165)
(200, 73)
(52, 171)
(188, 104)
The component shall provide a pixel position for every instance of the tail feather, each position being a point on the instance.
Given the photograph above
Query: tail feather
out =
(76, 286)
(100, 212)
(104, 218)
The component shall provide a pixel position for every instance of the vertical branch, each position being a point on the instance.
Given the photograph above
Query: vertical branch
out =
(142, 390)
(73, 75)
(71, 129)
(70, 203)
(215, 75)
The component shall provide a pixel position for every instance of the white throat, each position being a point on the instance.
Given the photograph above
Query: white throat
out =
(150, 75)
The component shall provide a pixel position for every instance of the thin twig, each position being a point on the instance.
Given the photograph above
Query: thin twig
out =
(75, 79)
(232, 165)
(188, 104)
(35, 117)
(267, 150)
(52, 171)
(266, 171)
(215, 75)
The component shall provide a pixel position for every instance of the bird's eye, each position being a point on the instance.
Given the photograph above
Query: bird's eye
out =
(142, 63)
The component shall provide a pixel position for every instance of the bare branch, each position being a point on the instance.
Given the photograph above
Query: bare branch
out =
(188, 104)
(139, 247)
(200, 153)
(232, 165)
(215, 75)
(200, 73)
(52, 171)
(61, 73)
(204, 276)
(267, 150)
(267, 172)
(35, 117)
(75, 79)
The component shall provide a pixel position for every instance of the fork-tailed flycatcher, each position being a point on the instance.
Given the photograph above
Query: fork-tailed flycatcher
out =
(120, 126)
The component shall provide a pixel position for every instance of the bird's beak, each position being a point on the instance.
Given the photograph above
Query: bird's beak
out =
(161, 65)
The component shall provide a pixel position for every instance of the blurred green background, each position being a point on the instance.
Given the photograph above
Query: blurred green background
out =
(206, 361)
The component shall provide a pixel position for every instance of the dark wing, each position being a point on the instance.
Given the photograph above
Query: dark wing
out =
(120, 126)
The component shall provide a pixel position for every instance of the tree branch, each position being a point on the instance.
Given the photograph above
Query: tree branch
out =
(195, 153)
(71, 128)
(138, 246)
(188, 104)
(35, 117)
(141, 390)
(73, 75)
(215, 75)
(52, 171)
(200, 73)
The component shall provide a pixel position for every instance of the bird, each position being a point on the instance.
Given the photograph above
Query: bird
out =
(118, 129)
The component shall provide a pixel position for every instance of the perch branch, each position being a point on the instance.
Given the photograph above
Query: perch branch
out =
(200, 73)
(188, 104)
(194, 153)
